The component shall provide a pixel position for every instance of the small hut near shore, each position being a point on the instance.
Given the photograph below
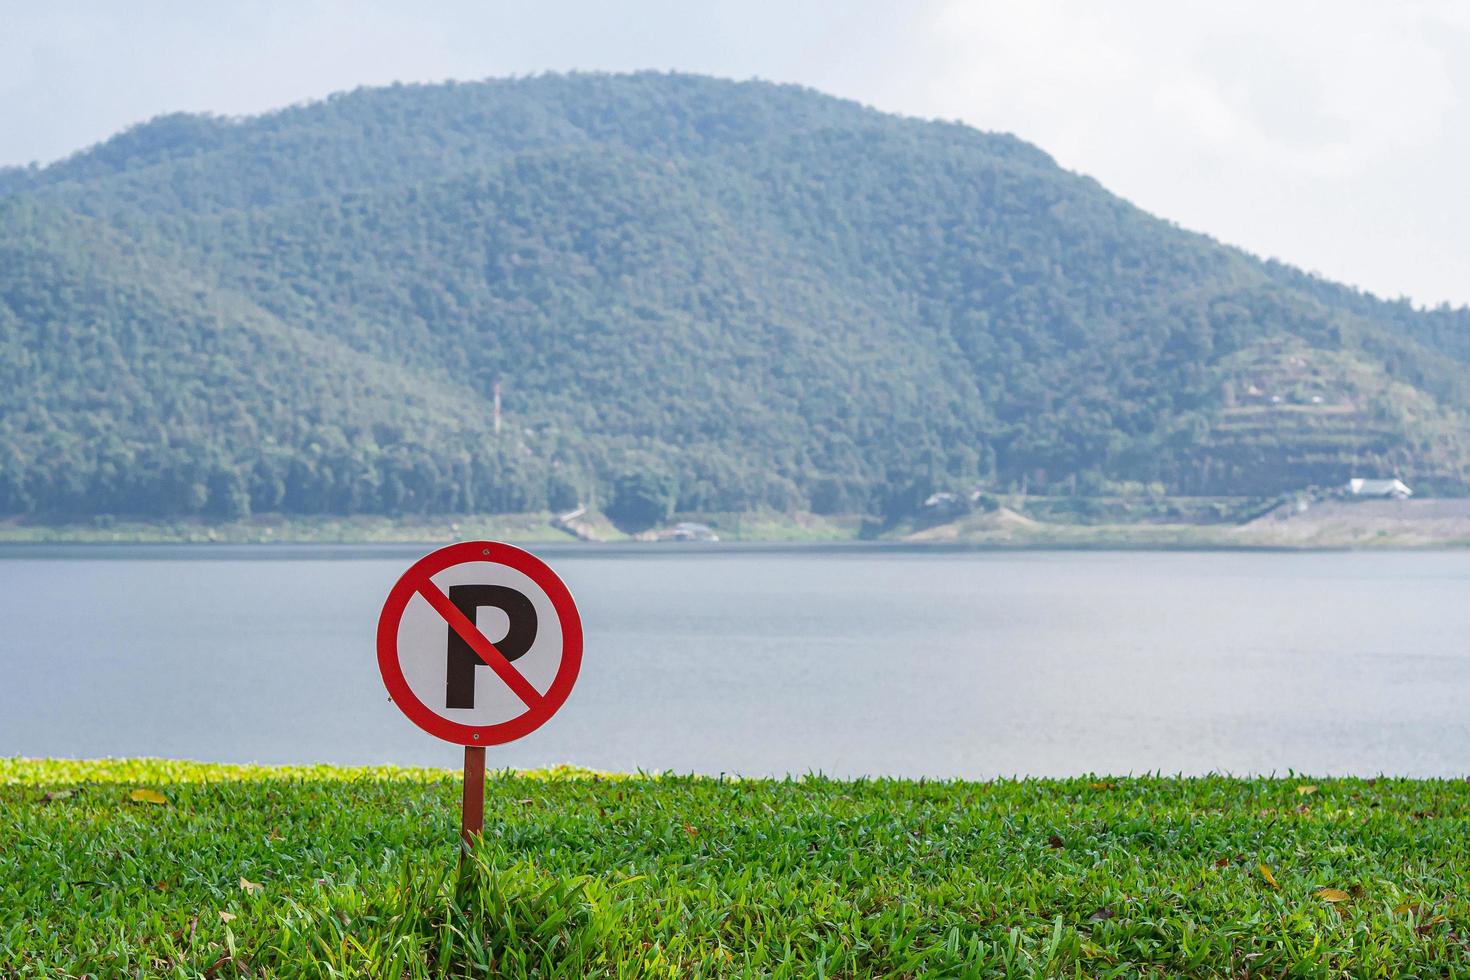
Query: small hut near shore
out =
(1392, 489)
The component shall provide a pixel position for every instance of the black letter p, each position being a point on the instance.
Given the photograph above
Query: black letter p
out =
(459, 684)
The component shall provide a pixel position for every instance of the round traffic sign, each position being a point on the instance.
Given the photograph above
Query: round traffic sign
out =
(474, 605)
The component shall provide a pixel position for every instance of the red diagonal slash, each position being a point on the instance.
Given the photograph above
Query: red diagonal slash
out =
(483, 648)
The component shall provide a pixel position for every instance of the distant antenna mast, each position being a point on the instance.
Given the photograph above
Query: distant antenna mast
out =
(497, 408)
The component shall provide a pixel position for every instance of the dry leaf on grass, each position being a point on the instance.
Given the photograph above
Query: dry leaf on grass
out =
(225, 960)
(1332, 894)
(57, 794)
(250, 887)
(1425, 928)
(147, 796)
(1306, 789)
(227, 917)
(1270, 878)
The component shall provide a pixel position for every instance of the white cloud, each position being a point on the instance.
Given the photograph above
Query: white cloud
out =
(1305, 131)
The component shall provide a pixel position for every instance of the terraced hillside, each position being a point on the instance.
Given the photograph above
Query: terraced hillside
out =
(1321, 415)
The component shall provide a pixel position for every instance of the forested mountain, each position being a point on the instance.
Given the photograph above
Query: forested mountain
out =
(748, 295)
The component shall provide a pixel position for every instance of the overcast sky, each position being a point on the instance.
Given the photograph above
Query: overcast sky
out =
(1333, 135)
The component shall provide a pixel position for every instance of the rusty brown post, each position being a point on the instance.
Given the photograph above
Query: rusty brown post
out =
(472, 818)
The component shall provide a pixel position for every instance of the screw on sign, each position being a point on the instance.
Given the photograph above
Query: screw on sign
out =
(446, 673)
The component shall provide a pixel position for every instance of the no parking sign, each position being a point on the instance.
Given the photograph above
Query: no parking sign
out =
(479, 643)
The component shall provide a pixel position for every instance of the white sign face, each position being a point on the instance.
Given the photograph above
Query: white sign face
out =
(427, 647)
(479, 643)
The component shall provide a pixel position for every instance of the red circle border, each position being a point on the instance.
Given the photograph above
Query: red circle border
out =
(458, 554)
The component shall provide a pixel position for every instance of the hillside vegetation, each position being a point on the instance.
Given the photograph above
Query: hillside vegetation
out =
(169, 869)
(695, 294)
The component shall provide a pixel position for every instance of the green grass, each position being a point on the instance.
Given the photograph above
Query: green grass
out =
(586, 875)
(1050, 523)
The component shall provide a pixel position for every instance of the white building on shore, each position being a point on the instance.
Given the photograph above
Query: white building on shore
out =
(1394, 489)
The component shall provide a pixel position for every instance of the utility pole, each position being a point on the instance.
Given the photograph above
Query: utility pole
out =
(497, 407)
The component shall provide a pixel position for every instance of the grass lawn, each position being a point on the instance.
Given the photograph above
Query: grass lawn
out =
(163, 869)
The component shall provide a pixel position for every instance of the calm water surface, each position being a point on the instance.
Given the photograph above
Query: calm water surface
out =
(756, 662)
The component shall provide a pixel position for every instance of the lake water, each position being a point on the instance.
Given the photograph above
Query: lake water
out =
(760, 661)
